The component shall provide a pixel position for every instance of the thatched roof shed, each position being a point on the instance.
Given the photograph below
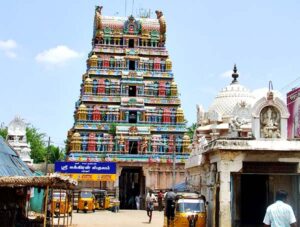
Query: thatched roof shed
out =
(53, 181)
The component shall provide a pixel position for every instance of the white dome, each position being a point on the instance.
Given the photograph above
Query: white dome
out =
(229, 97)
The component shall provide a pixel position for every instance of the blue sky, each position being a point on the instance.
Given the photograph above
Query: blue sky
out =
(44, 45)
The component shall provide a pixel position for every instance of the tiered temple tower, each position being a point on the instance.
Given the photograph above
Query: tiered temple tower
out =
(129, 111)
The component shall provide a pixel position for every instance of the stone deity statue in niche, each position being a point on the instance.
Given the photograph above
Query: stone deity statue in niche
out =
(144, 146)
(121, 143)
(270, 122)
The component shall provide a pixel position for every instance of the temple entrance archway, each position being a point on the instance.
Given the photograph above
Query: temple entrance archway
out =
(131, 183)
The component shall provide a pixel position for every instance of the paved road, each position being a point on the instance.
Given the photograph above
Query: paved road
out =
(125, 218)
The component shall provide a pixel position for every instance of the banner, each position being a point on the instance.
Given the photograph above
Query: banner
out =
(88, 171)
(293, 104)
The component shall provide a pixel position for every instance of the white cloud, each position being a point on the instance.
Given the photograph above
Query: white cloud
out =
(226, 74)
(10, 54)
(57, 55)
(8, 44)
(8, 47)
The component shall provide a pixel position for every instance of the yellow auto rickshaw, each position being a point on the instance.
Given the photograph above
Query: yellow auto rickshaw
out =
(102, 200)
(190, 210)
(86, 201)
(60, 204)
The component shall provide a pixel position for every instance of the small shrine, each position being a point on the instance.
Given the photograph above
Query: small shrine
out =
(241, 154)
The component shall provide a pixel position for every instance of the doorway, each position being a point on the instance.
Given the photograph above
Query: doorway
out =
(131, 65)
(254, 199)
(132, 91)
(131, 43)
(133, 147)
(132, 117)
(131, 183)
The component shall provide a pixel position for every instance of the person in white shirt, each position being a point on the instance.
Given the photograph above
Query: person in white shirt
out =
(137, 201)
(150, 199)
(280, 214)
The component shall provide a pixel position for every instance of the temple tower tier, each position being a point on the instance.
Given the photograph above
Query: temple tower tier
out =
(129, 111)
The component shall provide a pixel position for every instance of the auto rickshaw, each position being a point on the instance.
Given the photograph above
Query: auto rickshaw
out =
(190, 211)
(102, 200)
(60, 204)
(86, 201)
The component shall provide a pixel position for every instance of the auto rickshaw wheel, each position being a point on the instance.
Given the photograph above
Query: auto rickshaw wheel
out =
(94, 210)
(85, 211)
(77, 210)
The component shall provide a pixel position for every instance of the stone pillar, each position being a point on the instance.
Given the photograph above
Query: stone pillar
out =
(147, 177)
(156, 179)
(164, 178)
(116, 183)
(230, 163)
(225, 199)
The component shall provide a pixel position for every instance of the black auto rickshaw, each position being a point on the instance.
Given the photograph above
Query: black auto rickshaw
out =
(102, 200)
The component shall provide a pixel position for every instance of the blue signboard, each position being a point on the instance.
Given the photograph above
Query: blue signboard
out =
(86, 167)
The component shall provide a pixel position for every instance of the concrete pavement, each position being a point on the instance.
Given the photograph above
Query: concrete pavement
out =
(125, 218)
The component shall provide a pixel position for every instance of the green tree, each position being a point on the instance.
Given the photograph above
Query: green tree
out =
(191, 129)
(55, 154)
(37, 144)
(3, 130)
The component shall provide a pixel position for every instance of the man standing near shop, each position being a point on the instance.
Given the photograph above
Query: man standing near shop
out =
(280, 214)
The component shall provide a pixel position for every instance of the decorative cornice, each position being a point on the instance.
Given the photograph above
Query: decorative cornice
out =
(276, 102)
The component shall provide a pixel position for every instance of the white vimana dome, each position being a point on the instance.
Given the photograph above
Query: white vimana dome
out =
(230, 96)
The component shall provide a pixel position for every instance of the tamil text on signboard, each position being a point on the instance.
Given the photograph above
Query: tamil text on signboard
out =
(88, 171)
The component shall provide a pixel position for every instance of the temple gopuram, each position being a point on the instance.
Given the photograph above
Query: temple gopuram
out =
(129, 111)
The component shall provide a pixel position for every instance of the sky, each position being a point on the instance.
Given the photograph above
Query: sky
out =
(44, 47)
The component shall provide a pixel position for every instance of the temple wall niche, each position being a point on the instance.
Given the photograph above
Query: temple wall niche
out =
(270, 120)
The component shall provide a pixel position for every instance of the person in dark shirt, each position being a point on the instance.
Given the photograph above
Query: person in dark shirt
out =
(160, 199)
(170, 205)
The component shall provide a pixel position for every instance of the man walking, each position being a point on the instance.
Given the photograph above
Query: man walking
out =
(170, 205)
(150, 199)
(280, 214)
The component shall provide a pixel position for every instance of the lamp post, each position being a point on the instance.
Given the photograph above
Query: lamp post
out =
(47, 156)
